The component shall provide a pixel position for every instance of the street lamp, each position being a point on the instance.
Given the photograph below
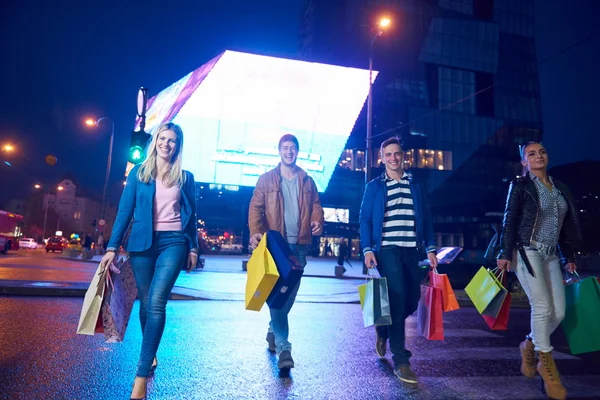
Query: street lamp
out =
(91, 122)
(384, 23)
(58, 188)
(8, 148)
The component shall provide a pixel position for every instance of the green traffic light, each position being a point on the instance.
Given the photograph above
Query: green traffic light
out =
(136, 155)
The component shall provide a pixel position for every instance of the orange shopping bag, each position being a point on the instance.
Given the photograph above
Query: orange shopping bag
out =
(442, 282)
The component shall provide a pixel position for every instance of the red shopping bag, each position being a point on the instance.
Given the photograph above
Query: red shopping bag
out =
(441, 281)
(500, 323)
(429, 313)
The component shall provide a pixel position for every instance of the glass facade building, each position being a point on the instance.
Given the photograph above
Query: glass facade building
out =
(458, 82)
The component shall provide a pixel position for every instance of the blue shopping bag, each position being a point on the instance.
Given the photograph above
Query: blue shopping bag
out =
(288, 266)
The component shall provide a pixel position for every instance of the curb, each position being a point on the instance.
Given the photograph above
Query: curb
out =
(31, 288)
(78, 289)
(78, 259)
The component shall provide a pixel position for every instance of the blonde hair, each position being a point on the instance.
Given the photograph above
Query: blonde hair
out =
(148, 170)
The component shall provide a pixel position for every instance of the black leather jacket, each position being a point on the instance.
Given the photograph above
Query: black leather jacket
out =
(520, 217)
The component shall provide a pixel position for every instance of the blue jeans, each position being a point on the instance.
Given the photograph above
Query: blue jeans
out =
(400, 265)
(279, 318)
(156, 271)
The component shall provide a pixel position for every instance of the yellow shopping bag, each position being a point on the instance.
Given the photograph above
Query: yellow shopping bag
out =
(362, 292)
(262, 276)
(486, 292)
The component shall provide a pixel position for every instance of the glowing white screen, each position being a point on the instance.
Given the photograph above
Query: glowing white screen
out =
(339, 215)
(236, 107)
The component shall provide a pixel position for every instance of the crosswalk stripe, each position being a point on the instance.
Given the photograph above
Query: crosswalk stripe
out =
(507, 387)
(467, 333)
(480, 353)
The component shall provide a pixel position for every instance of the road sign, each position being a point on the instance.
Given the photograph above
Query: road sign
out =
(101, 222)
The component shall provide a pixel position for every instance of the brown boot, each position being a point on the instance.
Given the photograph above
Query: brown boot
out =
(547, 370)
(527, 358)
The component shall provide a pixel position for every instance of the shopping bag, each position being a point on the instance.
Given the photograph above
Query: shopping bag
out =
(288, 266)
(376, 304)
(582, 322)
(362, 289)
(486, 292)
(120, 295)
(500, 323)
(429, 313)
(261, 277)
(441, 281)
(362, 292)
(92, 303)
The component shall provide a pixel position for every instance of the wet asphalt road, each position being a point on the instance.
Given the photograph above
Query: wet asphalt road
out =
(37, 265)
(216, 350)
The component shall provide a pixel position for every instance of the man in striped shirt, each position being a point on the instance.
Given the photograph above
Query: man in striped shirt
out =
(395, 232)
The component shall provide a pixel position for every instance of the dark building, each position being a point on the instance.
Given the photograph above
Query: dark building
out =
(458, 82)
(581, 177)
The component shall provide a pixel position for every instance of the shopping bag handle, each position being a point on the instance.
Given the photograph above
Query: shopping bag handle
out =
(109, 281)
(369, 276)
(569, 280)
(501, 276)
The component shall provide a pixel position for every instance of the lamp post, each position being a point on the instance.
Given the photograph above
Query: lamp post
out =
(91, 122)
(383, 23)
(46, 197)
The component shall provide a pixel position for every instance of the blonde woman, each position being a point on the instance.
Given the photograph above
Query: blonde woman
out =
(160, 197)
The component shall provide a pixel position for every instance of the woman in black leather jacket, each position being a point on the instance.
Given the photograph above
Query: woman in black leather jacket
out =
(540, 222)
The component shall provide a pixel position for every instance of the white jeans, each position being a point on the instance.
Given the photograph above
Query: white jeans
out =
(546, 292)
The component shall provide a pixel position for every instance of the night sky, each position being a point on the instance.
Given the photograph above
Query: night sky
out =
(64, 62)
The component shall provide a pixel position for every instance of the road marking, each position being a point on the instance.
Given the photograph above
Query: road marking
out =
(510, 387)
(480, 353)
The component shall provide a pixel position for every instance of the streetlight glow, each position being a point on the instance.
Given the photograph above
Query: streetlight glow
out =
(8, 147)
(60, 188)
(37, 186)
(90, 122)
(385, 22)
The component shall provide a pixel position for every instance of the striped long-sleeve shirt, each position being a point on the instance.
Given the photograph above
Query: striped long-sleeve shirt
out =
(399, 217)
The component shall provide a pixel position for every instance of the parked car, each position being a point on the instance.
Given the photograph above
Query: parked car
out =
(54, 244)
(74, 244)
(461, 266)
(27, 243)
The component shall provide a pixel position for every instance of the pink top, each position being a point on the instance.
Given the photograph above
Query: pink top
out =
(167, 210)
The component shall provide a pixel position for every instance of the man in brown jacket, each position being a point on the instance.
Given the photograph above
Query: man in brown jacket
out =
(286, 200)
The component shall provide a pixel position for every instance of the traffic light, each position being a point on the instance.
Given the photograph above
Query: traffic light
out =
(139, 140)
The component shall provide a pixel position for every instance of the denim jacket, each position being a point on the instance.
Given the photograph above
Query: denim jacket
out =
(137, 201)
(372, 211)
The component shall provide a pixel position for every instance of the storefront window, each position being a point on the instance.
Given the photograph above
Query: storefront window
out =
(433, 159)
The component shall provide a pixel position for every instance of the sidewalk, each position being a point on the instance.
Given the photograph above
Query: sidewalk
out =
(322, 267)
(223, 279)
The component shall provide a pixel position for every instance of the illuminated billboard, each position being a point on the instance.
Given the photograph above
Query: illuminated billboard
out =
(234, 109)
(338, 215)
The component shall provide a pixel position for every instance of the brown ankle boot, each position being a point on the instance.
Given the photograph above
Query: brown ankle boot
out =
(527, 358)
(547, 370)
